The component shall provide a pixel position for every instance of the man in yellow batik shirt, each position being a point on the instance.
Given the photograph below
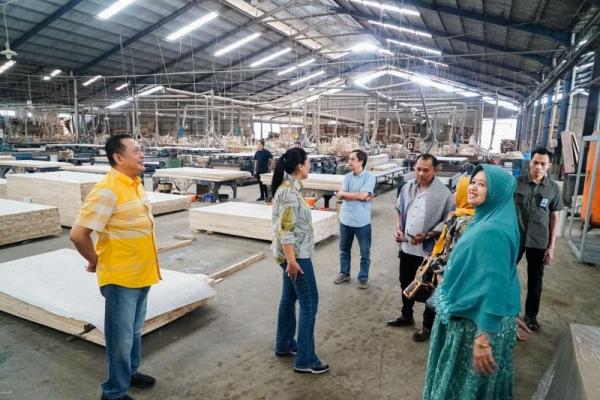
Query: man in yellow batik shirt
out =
(124, 260)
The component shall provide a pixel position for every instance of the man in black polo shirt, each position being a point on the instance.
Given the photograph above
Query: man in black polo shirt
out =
(538, 200)
(261, 166)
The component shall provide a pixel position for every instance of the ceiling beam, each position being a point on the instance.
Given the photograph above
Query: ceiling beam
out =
(562, 37)
(82, 69)
(546, 61)
(44, 23)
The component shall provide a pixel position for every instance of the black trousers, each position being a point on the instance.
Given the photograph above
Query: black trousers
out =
(535, 274)
(409, 265)
(264, 192)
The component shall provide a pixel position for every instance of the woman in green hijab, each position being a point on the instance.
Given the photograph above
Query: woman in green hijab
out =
(471, 351)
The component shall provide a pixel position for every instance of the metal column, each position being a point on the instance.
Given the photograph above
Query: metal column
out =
(592, 104)
(564, 114)
(76, 106)
(547, 119)
(536, 124)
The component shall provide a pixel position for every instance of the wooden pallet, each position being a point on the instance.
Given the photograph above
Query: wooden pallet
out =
(253, 221)
(21, 221)
(52, 289)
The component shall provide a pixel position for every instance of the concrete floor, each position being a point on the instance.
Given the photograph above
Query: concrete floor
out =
(225, 350)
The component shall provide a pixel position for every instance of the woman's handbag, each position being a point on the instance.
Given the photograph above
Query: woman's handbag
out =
(422, 287)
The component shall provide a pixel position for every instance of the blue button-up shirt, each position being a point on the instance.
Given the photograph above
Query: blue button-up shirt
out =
(357, 213)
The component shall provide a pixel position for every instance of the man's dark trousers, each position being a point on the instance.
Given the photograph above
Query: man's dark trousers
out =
(409, 264)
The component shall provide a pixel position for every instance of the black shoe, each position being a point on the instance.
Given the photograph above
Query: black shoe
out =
(260, 199)
(118, 398)
(401, 321)
(319, 369)
(421, 335)
(532, 323)
(142, 381)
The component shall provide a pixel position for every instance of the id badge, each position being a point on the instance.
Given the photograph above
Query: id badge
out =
(544, 202)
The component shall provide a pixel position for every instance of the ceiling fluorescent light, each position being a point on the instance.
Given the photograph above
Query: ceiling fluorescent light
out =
(114, 8)
(7, 65)
(148, 92)
(270, 57)
(294, 67)
(330, 82)
(47, 77)
(92, 80)
(117, 104)
(307, 77)
(401, 29)
(55, 72)
(363, 79)
(387, 7)
(415, 47)
(235, 45)
(123, 86)
(194, 25)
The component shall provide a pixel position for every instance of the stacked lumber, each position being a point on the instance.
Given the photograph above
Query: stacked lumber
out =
(54, 290)
(163, 203)
(89, 168)
(327, 182)
(32, 163)
(205, 174)
(3, 188)
(376, 160)
(385, 167)
(23, 221)
(253, 221)
(63, 189)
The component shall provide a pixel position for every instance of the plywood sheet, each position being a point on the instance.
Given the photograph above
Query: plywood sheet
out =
(3, 187)
(66, 190)
(32, 163)
(376, 160)
(384, 167)
(23, 221)
(53, 289)
(163, 203)
(253, 220)
(327, 182)
(88, 168)
(206, 174)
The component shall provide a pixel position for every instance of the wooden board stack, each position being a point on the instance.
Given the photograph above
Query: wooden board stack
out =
(326, 182)
(32, 163)
(385, 167)
(63, 189)
(23, 221)
(205, 174)
(163, 203)
(3, 188)
(376, 160)
(253, 221)
(89, 168)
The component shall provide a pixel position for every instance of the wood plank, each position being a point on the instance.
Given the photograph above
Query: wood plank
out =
(206, 174)
(32, 163)
(173, 245)
(21, 221)
(326, 182)
(53, 289)
(222, 274)
(163, 203)
(253, 220)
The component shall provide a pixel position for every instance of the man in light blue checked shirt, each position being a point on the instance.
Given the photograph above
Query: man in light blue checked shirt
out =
(355, 217)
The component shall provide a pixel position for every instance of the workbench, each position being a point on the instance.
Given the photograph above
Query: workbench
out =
(183, 178)
(19, 166)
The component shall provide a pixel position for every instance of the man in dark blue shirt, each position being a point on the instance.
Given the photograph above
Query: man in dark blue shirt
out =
(262, 157)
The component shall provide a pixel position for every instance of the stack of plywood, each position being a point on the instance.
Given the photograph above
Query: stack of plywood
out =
(3, 188)
(376, 160)
(23, 221)
(253, 220)
(385, 167)
(89, 168)
(163, 203)
(326, 182)
(205, 174)
(64, 189)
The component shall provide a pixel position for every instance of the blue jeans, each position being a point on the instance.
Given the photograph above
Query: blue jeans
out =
(303, 289)
(124, 315)
(363, 234)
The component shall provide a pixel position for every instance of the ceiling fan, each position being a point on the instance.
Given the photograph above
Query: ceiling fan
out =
(7, 52)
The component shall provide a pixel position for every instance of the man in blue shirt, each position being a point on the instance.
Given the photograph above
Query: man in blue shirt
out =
(262, 157)
(355, 217)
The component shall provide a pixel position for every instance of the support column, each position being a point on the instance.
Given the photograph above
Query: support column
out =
(547, 115)
(536, 124)
(563, 117)
(76, 106)
(591, 111)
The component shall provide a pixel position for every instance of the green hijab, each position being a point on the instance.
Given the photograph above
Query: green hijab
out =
(480, 281)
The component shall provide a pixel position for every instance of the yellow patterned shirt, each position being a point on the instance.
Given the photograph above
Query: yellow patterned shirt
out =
(292, 221)
(119, 211)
